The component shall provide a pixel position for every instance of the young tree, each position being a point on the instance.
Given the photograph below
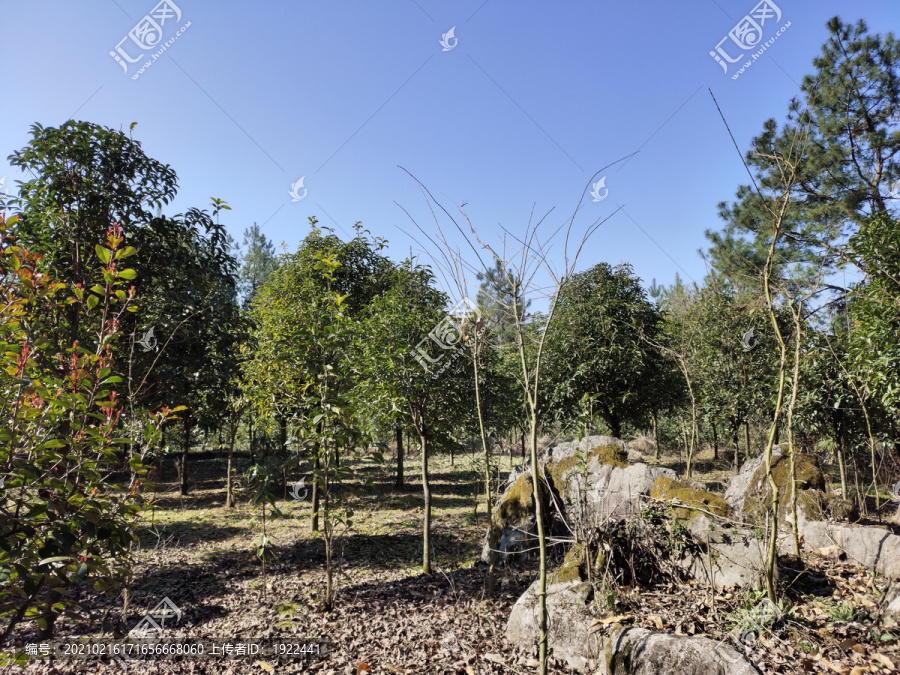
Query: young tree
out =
(408, 362)
(65, 517)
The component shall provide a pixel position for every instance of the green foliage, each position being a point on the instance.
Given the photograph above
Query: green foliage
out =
(258, 261)
(65, 515)
(597, 347)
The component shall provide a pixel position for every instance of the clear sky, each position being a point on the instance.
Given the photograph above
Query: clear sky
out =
(525, 104)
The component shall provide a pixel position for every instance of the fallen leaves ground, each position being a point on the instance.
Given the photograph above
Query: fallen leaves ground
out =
(201, 556)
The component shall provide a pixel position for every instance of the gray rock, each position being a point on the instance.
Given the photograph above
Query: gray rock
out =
(889, 610)
(737, 488)
(569, 623)
(628, 651)
(638, 651)
(737, 557)
(610, 492)
(873, 547)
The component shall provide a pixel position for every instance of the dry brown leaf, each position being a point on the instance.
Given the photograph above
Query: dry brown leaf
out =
(610, 619)
(470, 670)
(657, 620)
(859, 670)
(268, 667)
(494, 658)
(884, 660)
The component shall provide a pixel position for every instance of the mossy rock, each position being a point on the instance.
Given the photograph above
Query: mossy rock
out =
(809, 478)
(672, 488)
(612, 454)
(817, 505)
(517, 504)
(572, 568)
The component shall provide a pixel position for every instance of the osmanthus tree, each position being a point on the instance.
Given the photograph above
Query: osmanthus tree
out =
(285, 345)
(408, 360)
(196, 322)
(875, 312)
(69, 495)
(731, 356)
(595, 347)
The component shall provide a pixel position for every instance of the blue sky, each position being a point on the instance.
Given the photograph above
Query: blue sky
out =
(529, 103)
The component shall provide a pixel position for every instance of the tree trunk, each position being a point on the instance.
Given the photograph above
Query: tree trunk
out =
(615, 426)
(185, 446)
(399, 482)
(523, 446)
(735, 429)
(747, 438)
(426, 492)
(715, 441)
(314, 525)
(656, 433)
(229, 488)
(839, 447)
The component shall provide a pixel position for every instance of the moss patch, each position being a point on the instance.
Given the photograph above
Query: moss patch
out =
(517, 504)
(672, 488)
(572, 566)
(816, 505)
(810, 479)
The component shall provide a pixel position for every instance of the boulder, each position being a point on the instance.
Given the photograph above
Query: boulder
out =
(590, 478)
(513, 517)
(737, 488)
(639, 651)
(731, 557)
(874, 547)
(569, 624)
(627, 651)
(889, 609)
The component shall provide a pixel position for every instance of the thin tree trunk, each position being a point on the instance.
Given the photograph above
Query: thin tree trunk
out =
(715, 441)
(795, 386)
(185, 447)
(398, 484)
(840, 457)
(735, 428)
(229, 487)
(426, 492)
(747, 438)
(314, 524)
(492, 529)
(656, 433)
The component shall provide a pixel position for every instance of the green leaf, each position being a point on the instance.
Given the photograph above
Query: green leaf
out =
(102, 253)
(92, 301)
(127, 274)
